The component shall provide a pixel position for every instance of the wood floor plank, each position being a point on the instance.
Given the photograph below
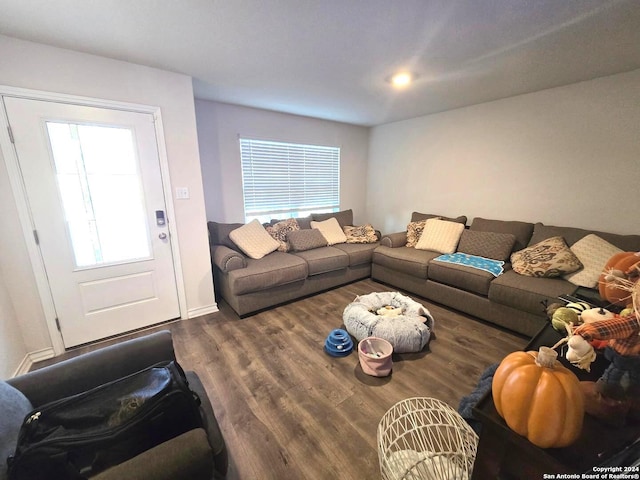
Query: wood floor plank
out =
(288, 410)
(323, 411)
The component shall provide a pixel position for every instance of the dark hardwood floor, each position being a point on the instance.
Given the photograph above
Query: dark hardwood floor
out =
(287, 410)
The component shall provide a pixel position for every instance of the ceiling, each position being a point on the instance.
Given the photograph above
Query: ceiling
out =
(331, 58)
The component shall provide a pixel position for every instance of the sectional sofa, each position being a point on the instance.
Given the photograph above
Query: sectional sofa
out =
(249, 285)
(514, 299)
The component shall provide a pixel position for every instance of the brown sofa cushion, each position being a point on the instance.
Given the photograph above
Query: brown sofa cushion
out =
(459, 276)
(521, 230)
(359, 253)
(219, 234)
(628, 243)
(417, 216)
(404, 259)
(323, 260)
(304, 222)
(275, 269)
(527, 293)
(344, 217)
(496, 246)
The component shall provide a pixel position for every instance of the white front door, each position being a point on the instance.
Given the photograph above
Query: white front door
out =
(95, 192)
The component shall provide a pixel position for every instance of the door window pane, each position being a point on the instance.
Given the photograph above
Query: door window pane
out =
(98, 177)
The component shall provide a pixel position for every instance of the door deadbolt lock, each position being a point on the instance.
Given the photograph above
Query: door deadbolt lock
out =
(162, 236)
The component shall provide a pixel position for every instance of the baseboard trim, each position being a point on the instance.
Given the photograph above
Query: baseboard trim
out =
(198, 312)
(33, 357)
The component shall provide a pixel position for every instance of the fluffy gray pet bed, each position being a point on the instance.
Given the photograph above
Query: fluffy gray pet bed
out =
(401, 321)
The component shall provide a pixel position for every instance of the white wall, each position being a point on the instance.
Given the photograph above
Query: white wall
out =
(22, 320)
(13, 348)
(220, 125)
(14, 351)
(39, 67)
(566, 156)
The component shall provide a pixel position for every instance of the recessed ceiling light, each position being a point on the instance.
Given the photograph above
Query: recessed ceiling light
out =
(401, 80)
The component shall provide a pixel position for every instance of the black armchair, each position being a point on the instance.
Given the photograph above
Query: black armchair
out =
(197, 454)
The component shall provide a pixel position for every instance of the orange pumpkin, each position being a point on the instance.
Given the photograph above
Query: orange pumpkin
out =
(625, 263)
(539, 398)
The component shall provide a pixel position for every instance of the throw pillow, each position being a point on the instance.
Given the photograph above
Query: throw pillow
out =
(253, 240)
(414, 230)
(496, 246)
(593, 252)
(521, 230)
(15, 407)
(301, 240)
(331, 231)
(440, 236)
(360, 234)
(548, 258)
(280, 230)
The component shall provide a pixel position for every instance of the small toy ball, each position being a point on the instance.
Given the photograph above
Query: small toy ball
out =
(562, 317)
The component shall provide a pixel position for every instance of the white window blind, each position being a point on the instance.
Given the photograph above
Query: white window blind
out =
(283, 180)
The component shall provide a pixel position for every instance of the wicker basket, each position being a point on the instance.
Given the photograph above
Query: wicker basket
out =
(424, 438)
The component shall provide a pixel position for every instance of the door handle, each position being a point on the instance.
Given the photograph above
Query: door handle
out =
(162, 236)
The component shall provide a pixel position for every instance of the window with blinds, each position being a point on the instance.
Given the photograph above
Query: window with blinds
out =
(284, 180)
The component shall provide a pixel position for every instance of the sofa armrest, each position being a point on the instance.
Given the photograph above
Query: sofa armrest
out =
(185, 456)
(216, 440)
(394, 240)
(227, 259)
(95, 368)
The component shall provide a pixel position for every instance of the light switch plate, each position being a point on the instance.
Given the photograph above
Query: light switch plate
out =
(182, 192)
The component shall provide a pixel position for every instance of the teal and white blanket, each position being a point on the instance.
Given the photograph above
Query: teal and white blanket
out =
(494, 267)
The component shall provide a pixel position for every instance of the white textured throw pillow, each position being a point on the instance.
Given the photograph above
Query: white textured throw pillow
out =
(440, 236)
(593, 252)
(331, 230)
(254, 240)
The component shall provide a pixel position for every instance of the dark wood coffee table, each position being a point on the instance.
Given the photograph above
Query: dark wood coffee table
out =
(503, 454)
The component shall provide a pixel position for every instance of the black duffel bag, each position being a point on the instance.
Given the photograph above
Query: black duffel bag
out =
(82, 435)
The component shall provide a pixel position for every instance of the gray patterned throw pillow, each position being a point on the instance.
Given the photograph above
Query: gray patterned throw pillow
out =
(281, 230)
(301, 240)
(549, 258)
(496, 246)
